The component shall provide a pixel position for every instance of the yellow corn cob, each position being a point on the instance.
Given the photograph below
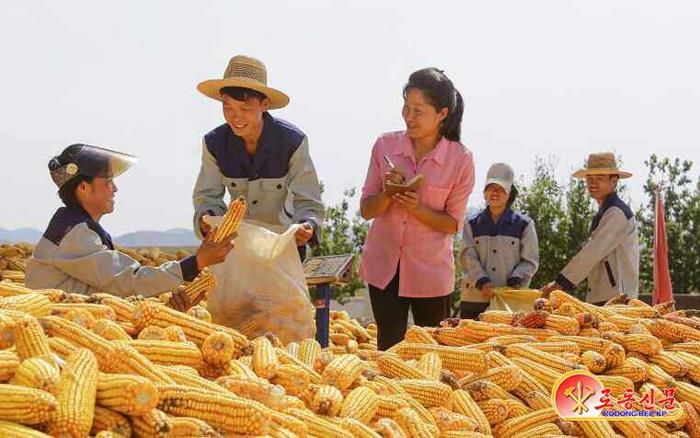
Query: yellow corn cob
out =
(287, 359)
(81, 337)
(187, 376)
(167, 352)
(30, 339)
(200, 287)
(421, 410)
(110, 330)
(507, 377)
(452, 421)
(62, 347)
(9, 362)
(17, 263)
(669, 362)
(257, 389)
(127, 360)
(14, 430)
(80, 317)
(294, 379)
(174, 333)
(496, 317)
(342, 371)
(123, 309)
(232, 219)
(34, 304)
(324, 399)
(231, 414)
(617, 384)
(453, 358)
(24, 405)
(450, 337)
(517, 408)
(595, 362)
(393, 367)
(354, 427)
(277, 431)
(596, 344)
(98, 311)
(689, 393)
(597, 429)
(465, 434)
(461, 402)
(539, 431)
(496, 410)
(340, 339)
(632, 428)
(361, 404)
(478, 331)
(537, 400)
(692, 422)
(525, 422)
(430, 365)
(149, 313)
(75, 396)
(641, 343)
(218, 348)
(185, 427)
(236, 368)
(565, 325)
(38, 372)
(419, 335)
(543, 374)
(688, 347)
(671, 331)
(13, 276)
(126, 393)
(7, 337)
(692, 362)
(429, 393)
(128, 328)
(110, 421)
(358, 332)
(614, 356)
(510, 339)
(265, 362)
(658, 377)
(554, 347)
(152, 333)
(292, 348)
(199, 313)
(318, 426)
(633, 369)
(389, 405)
(155, 424)
(412, 424)
(292, 402)
(10, 289)
(388, 428)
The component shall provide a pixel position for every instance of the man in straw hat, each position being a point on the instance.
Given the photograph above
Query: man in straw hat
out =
(610, 257)
(256, 155)
(77, 255)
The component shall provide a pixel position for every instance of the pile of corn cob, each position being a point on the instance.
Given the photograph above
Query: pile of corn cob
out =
(109, 367)
(13, 261)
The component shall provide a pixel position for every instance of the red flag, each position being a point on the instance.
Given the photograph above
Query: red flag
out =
(663, 291)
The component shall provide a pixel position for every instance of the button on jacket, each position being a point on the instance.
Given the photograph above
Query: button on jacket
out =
(425, 255)
(75, 254)
(279, 182)
(610, 257)
(504, 254)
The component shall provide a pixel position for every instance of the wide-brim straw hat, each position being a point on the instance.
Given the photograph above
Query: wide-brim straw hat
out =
(244, 71)
(601, 163)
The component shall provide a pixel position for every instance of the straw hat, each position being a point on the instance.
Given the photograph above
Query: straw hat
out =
(244, 71)
(601, 163)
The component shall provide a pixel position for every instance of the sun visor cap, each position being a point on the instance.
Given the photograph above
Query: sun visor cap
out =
(90, 161)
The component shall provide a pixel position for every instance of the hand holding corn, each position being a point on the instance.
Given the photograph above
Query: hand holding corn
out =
(211, 252)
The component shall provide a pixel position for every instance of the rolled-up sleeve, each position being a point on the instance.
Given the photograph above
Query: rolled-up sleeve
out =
(209, 190)
(456, 203)
(374, 183)
(306, 190)
(82, 255)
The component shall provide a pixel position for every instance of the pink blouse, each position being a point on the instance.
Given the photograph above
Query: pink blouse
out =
(425, 255)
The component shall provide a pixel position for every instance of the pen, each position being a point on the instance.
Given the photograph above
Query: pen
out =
(388, 162)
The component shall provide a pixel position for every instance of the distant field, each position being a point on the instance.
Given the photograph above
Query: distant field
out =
(168, 249)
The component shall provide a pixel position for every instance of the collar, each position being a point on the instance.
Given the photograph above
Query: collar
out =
(437, 154)
(485, 216)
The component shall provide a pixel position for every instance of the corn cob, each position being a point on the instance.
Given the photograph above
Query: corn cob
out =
(356, 428)
(543, 374)
(110, 421)
(340, 339)
(670, 363)
(289, 422)
(596, 344)
(642, 343)
(75, 396)
(614, 356)
(62, 347)
(450, 337)
(689, 393)
(537, 400)
(167, 352)
(635, 429)
(257, 389)
(692, 362)
(155, 424)
(152, 333)
(692, 422)
(525, 422)
(123, 309)
(126, 393)
(12, 275)
(540, 334)
(477, 331)
(671, 331)
(389, 405)
(358, 332)
(292, 348)
(200, 287)
(453, 358)
(110, 330)
(507, 377)
(126, 359)
(24, 405)
(80, 317)
(277, 431)
(17, 264)
(430, 365)
(34, 304)
(393, 367)
(265, 362)
(149, 313)
(388, 428)
(324, 399)
(497, 317)
(548, 359)
(174, 333)
(534, 319)
(9, 362)
(39, 373)
(452, 421)
(237, 368)
(429, 393)
(687, 347)
(185, 427)
(10, 289)
(595, 362)
(343, 371)
(496, 410)
(361, 404)
(30, 339)
(539, 431)
(7, 337)
(14, 430)
(229, 413)
(617, 384)
(98, 311)
(511, 339)
(421, 410)
(81, 337)
(232, 219)
(657, 376)
(419, 335)
(294, 379)
(318, 426)
(201, 314)
(633, 369)
(411, 423)
(462, 403)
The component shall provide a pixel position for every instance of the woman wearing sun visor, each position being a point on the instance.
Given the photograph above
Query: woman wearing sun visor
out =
(77, 255)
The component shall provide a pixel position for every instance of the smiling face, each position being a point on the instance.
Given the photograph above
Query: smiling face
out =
(421, 118)
(245, 117)
(600, 186)
(97, 196)
(495, 196)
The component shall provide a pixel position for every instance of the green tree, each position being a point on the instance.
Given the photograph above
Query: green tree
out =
(681, 200)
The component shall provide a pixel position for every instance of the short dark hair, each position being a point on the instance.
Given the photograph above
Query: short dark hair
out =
(511, 197)
(242, 94)
(67, 190)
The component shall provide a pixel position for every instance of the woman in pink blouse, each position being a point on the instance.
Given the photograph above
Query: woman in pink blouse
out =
(407, 260)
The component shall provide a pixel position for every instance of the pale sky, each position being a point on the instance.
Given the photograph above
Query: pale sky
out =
(540, 78)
